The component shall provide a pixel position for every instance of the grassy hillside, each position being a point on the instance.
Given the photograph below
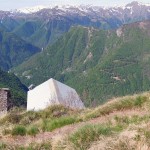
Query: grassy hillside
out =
(122, 123)
(14, 50)
(18, 90)
(98, 64)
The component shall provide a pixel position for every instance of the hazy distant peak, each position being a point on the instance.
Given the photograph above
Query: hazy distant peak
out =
(31, 9)
(136, 3)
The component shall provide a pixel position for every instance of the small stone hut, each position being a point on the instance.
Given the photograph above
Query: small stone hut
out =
(5, 100)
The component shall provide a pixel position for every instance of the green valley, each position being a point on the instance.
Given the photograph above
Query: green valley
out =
(99, 64)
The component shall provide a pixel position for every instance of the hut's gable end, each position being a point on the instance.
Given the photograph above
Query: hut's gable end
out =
(53, 92)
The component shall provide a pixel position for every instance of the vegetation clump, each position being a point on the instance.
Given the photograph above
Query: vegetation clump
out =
(125, 103)
(84, 136)
(32, 146)
(19, 130)
(50, 125)
(33, 131)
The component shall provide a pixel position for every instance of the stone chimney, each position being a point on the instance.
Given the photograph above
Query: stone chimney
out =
(5, 100)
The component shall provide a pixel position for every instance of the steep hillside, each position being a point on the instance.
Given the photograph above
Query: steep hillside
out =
(14, 50)
(99, 64)
(41, 33)
(120, 124)
(18, 90)
(70, 50)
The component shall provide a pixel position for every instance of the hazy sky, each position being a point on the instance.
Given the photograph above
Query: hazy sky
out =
(13, 4)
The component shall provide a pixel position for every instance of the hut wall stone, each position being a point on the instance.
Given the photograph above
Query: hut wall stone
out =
(5, 102)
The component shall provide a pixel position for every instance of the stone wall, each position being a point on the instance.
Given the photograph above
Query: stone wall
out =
(5, 101)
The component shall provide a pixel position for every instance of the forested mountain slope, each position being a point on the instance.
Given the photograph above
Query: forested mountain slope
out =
(99, 64)
(14, 50)
(18, 90)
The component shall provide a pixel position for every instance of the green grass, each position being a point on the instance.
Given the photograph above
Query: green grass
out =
(52, 117)
(50, 125)
(118, 128)
(84, 136)
(147, 134)
(55, 111)
(2, 146)
(19, 130)
(33, 131)
(32, 146)
(120, 104)
(135, 119)
(27, 117)
(139, 101)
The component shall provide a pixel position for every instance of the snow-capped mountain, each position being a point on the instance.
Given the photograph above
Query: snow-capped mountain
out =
(49, 22)
(82, 8)
(29, 10)
(134, 10)
(125, 13)
(93, 12)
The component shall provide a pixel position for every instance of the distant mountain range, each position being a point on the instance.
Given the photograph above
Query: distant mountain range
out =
(100, 64)
(42, 26)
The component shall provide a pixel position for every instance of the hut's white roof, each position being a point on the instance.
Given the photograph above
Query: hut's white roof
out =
(53, 92)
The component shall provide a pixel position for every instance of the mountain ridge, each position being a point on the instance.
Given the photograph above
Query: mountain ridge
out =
(47, 25)
(34, 9)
